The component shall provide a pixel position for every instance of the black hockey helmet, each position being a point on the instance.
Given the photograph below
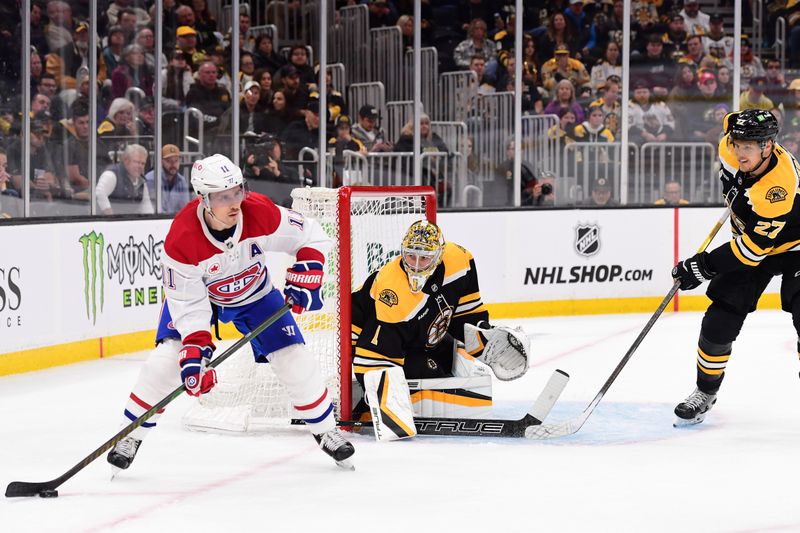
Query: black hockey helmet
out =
(753, 125)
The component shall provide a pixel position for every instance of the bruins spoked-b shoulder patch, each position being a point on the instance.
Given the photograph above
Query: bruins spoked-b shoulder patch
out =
(388, 296)
(776, 194)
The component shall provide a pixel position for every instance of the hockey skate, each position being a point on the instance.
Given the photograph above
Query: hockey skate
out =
(337, 447)
(694, 408)
(122, 454)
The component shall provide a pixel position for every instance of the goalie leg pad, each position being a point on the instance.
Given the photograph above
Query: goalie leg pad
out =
(158, 377)
(390, 404)
(504, 349)
(456, 397)
(298, 370)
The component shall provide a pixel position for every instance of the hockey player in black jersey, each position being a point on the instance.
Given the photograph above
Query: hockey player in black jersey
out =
(410, 313)
(760, 184)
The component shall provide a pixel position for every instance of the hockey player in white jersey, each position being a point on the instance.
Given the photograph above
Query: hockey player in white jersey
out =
(214, 257)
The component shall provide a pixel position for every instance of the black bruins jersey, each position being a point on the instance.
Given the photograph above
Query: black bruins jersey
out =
(765, 212)
(390, 324)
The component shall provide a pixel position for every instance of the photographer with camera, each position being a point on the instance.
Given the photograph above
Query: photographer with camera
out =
(263, 162)
(499, 191)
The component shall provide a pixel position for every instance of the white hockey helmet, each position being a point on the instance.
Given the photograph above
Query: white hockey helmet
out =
(215, 173)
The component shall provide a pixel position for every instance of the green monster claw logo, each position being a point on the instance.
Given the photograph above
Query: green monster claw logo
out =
(93, 244)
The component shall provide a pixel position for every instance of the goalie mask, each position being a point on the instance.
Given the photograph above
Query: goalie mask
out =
(216, 174)
(421, 252)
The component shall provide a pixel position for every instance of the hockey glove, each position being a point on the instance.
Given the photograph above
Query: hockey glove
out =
(195, 377)
(504, 349)
(304, 286)
(693, 272)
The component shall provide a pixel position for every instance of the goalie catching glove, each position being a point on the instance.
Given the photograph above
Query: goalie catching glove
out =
(304, 286)
(196, 378)
(504, 349)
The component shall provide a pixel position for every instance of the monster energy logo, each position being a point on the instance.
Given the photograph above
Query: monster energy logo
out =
(93, 245)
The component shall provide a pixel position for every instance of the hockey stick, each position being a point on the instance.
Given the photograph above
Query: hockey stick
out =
(562, 429)
(47, 488)
(488, 427)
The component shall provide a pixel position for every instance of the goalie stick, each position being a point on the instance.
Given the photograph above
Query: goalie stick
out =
(47, 488)
(488, 427)
(569, 427)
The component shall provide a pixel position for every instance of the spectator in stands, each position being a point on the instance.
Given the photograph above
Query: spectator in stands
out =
(430, 142)
(753, 97)
(716, 43)
(565, 99)
(697, 22)
(114, 8)
(563, 67)
(37, 70)
(217, 56)
(132, 72)
(564, 131)
(714, 121)
(247, 40)
(725, 82)
(406, 25)
(45, 183)
(122, 189)
(186, 42)
(697, 56)
(265, 55)
(119, 121)
(58, 32)
(610, 101)
(247, 69)
(644, 25)
(592, 129)
(367, 132)
(654, 68)
(146, 119)
(649, 121)
(601, 194)
(776, 89)
(598, 37)
(77, 149)
(478, 65)
(499, 190)
(175, 191)
(280, 115)
(207, 96)
(298, 57)
(475, 44)
(751, 66)
(557, 34)
(530, 65)
(295, 92)
(36, 29)
(265, 162)
(64, 63)
(610, 65)
(204, 23)
(381, 14)
(176, 78)
(264, 79)
(147, 40)
(681, 95)
(792, 107)
(251, 118)
(5, 177)
(112, 53)
(531, 98)
(206, 40)
(341, 141)
(673, 195)
(578, 21)
(698, 114)
(675, 37)
(127, 22)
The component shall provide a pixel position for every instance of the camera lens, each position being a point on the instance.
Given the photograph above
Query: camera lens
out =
(547, 189)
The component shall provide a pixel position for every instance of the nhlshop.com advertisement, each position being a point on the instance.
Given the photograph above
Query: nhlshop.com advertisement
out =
(536, 256)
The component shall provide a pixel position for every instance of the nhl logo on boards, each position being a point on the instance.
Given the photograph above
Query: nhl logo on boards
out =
(587, 239)
(388, 296)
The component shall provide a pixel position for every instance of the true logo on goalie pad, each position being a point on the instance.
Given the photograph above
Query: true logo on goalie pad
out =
(587, 239)
(389, 297)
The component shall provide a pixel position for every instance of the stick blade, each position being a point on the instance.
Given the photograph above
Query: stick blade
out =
(549, 395)
(18, 489)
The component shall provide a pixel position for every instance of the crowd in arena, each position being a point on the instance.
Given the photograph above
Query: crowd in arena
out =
(681, 85)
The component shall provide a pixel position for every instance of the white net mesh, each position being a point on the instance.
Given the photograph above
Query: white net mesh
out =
(248, 396)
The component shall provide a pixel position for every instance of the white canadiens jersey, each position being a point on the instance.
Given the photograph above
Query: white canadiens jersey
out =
(199, 270)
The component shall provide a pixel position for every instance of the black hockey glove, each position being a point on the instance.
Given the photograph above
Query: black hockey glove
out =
(693, 272)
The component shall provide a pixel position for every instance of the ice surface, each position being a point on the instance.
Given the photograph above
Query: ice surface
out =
(626, 470)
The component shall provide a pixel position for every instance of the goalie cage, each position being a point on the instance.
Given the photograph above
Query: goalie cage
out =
(366, 225)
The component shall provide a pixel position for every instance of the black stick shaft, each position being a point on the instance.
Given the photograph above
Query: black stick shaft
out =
(22, 488)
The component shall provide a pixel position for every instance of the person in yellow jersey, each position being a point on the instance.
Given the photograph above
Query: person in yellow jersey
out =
(423, 312)
(760, 184)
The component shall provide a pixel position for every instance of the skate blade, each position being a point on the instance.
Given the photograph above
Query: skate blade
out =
(347, 464)
(683, 422)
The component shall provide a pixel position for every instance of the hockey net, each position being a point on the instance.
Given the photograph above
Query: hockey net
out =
(366, 225)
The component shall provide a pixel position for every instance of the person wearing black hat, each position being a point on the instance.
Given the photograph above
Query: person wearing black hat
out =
(759, 183)
(368, 132)
(654, 67)
(44, 169)
(600, 195)
(297, 94)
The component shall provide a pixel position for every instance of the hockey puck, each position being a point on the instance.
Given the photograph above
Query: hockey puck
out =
(48, 493)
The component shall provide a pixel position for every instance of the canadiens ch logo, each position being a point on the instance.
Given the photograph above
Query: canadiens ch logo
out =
(587, 239)
(232, 288)
(388, 296)
(776, 194)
